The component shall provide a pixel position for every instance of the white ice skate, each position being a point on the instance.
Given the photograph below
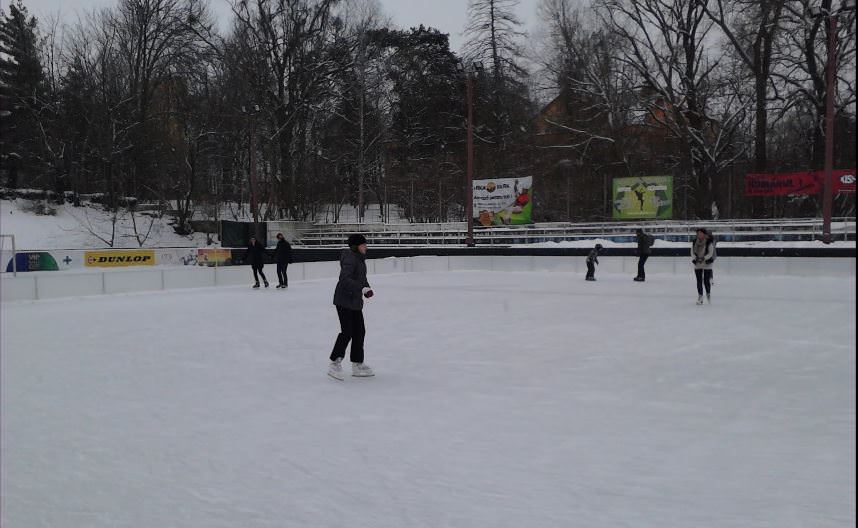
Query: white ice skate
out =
(708, 298)
(362, 370)
(335, 370)
(699, 300)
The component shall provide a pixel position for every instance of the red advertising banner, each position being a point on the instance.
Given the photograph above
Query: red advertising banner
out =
(797, 183)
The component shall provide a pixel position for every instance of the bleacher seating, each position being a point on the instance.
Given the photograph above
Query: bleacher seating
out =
(321, 235)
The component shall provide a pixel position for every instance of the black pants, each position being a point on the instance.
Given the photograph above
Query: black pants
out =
(258, 269)
(351, 329)
(641, 262)
(281, 273)
(591, 270)
(704, 278)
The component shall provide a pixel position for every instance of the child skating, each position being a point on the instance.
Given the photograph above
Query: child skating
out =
(592, 262)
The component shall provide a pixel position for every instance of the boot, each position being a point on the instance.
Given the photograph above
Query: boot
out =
(335, 369)
(256, 285)
(362, 370)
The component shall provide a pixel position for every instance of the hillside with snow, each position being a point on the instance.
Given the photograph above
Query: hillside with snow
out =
(87, 227)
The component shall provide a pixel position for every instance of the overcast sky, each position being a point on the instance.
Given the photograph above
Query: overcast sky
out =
(449, 16)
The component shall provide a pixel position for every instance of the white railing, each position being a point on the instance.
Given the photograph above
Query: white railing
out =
(455, 233)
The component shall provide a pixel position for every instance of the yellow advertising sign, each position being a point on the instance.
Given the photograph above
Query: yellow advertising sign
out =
(214, 257)
(118, 257)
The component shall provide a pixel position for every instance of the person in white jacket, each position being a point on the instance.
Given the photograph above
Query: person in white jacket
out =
(703, 256)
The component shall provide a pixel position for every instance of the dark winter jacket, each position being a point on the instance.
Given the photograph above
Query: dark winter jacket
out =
(256, 254)
(645, 242)
(283, 252)
(349, 291)
(593, 257)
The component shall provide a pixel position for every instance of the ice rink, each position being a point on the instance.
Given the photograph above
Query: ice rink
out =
(501, 399)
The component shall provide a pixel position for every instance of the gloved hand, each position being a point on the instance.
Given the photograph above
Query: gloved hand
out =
(367, 292)
(709, 261)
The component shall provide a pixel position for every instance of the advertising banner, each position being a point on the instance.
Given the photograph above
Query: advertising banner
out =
(643, 197)
(798, 183)
(32, 261)
(504, 201)
(119, 257)
(214, 257)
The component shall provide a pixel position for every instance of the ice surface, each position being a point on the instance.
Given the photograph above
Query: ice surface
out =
(500, 400)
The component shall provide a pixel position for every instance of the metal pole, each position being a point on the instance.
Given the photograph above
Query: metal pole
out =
(254, 205)
(568, 195)
(605, 202)
(830, 80)
(469, 191)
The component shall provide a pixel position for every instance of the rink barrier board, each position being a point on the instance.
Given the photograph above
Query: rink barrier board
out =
(49, 285)
(76, 259)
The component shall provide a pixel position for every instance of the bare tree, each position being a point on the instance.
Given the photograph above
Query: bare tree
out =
(281, 50)
(494, 33)
(666, 47)
(600, 89)
(801, 63)
(751, 27)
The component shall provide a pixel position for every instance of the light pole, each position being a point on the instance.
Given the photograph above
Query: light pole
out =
(470, 72)
(830, 81)
(254, 204)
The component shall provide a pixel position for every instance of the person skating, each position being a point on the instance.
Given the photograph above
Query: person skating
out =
(703, 256)
(592, 262)
(645, 242)
(283, 257)
(351, 288)
(256, 258)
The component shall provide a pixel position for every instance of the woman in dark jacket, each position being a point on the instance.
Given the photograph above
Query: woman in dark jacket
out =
(283, 256)
(348, 299)
(256, 258)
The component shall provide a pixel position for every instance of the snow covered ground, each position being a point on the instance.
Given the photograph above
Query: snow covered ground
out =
(77, 227)
(501, 400)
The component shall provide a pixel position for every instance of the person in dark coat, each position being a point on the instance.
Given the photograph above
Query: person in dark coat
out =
(645, 242)
(256, 258)
(592, 262)
(283, 257)
(351, 289)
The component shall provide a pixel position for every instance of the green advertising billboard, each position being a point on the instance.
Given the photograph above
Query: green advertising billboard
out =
(644, 197)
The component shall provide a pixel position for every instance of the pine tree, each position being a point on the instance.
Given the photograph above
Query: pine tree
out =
(21, 83)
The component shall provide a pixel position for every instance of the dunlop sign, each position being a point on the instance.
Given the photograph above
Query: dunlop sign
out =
(115, 258)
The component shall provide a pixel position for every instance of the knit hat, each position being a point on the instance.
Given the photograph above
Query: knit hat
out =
(356, 240)
(599, 246)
